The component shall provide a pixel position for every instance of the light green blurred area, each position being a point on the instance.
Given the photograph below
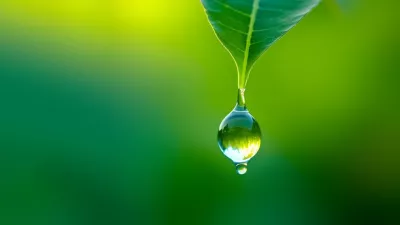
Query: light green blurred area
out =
(109, 113)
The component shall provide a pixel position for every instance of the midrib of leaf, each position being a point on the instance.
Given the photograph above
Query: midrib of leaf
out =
(253, 16)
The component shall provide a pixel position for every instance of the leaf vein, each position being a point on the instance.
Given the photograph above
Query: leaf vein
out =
(261, 41)
(230, 28)
(232, 8)
(243, 75)
(234, 46)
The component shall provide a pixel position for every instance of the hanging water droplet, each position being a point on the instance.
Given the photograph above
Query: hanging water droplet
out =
(241, 168)
(239, 135)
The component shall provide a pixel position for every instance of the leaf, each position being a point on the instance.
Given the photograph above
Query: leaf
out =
(248, 27)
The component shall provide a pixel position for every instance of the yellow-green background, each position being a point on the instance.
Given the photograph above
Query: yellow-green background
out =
(109, 113)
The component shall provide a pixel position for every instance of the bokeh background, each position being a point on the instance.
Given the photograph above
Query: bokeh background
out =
(109, 113)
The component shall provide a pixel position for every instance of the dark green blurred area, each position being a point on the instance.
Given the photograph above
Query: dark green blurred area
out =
(105, 119)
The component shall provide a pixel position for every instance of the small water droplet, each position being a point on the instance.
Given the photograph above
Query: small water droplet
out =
(241, 168)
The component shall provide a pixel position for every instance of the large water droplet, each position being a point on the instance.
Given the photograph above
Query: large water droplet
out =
(239, 135)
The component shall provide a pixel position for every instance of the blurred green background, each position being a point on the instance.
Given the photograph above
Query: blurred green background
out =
(109, 113)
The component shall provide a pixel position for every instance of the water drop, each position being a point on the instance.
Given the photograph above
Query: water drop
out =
(239, 135)
(241, 168)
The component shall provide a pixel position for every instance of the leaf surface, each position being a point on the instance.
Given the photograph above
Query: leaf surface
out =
(248, 27)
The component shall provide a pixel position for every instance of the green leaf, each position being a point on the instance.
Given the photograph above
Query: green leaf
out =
(248, 27)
